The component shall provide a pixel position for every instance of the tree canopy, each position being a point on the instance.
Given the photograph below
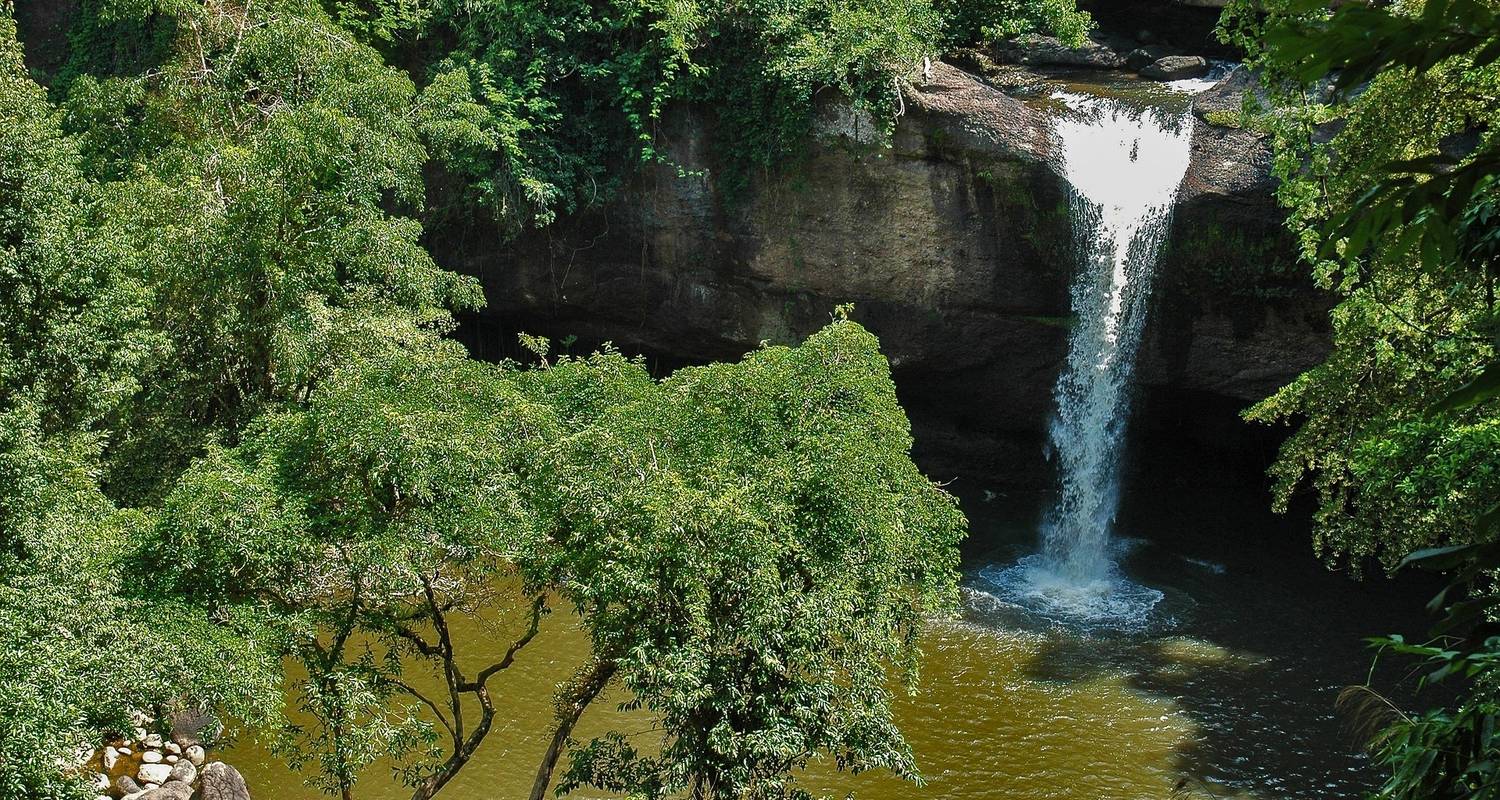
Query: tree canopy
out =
(1416, 317)
(1385, 126)
(233, 429)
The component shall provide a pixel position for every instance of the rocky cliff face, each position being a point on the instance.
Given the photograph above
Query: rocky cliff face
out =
(955, 246)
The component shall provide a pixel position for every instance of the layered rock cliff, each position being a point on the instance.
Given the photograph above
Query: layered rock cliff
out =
(955, 246)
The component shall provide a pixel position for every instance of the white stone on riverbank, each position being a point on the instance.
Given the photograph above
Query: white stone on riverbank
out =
(154, 773)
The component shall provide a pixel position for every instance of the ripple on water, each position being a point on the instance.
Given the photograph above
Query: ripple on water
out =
(992, 720)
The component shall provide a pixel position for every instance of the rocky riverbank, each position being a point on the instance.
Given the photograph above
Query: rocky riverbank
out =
(144, 765)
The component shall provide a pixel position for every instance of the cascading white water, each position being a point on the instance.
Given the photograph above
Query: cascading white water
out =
(1123, 165)
(1123, 168)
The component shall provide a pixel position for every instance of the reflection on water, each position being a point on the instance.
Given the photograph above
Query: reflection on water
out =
(1235, 691)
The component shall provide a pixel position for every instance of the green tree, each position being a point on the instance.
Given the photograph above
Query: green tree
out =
(232, 430)
(1397, 211)
(752, 554)
(1416, 317)
(352, 525)
(77, 657)
(748, 546)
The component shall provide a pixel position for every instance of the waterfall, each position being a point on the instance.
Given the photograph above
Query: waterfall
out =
(1123, 165)
(1123, 169)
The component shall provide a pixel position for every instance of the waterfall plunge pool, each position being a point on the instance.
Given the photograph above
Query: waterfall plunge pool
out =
(1231, 690)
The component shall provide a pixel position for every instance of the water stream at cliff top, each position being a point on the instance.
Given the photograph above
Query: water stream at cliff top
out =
(1123, 164)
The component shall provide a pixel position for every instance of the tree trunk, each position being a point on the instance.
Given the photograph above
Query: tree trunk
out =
(569, 711)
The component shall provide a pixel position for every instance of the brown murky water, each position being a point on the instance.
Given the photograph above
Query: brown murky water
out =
(1232, 689)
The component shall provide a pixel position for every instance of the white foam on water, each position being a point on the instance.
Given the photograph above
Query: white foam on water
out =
(1110, 602)
(1217, 71)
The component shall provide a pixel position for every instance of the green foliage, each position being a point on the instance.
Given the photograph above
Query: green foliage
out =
(528, 73)
(1417, 318)
(403, 474)
(974, 21)
(759, 550)
(748, 546)
(1450, 753)
(1397, 212)
(276, 199)
(232, 430)
(78, 656)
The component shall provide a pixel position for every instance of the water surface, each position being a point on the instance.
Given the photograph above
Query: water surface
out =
(1233, 688)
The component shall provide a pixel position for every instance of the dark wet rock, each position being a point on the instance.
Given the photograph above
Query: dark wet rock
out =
(1143, 57)
(127, 785)
(222, 782)
(43, 30)
(1183, 28)
(1036, 50)
(1228, 163)
(1175, 68)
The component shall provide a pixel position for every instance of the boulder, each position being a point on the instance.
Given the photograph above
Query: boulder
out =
(151, 757)
(1048, 51)
(172, 790)
(1143, 57)
(153, 740)
(127, 785)
(1176, 68)
(1227, 97)
(111, 756)
(195, 754)
(223, 782)
(174, 748)
(101, 782)
(154, 773)
(184, 771)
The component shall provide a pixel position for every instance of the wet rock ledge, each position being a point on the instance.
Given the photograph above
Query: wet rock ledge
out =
(955, 245)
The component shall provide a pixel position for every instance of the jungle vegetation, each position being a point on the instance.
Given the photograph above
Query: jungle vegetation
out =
(235, 434)
(1384, 119)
